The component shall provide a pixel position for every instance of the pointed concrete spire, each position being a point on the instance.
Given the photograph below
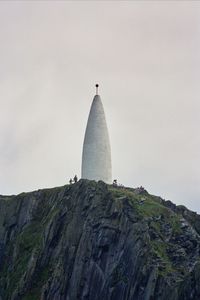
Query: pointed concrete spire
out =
(96, 157)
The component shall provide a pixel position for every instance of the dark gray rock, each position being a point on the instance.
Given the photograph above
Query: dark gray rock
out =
(93, 241)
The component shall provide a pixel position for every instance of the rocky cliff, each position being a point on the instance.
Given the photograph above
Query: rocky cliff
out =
(94, 241)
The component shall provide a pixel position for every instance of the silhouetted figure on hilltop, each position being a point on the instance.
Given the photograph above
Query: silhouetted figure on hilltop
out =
(75, 178)
(115, 182)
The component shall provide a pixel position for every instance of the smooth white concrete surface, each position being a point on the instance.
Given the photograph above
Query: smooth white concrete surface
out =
(96, 156)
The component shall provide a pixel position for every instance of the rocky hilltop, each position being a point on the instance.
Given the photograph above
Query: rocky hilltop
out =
(95, 241)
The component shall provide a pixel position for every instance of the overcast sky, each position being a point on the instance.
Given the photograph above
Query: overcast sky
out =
(146, 58)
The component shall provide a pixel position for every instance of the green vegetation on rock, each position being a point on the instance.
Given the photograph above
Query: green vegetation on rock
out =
(95, 241)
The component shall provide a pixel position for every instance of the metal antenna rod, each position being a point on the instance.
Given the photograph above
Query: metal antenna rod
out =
(97, 89)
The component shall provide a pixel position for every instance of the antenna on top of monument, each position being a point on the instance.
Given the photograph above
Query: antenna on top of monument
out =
(96, 85)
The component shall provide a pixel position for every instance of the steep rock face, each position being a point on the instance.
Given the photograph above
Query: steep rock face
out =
(94, 241)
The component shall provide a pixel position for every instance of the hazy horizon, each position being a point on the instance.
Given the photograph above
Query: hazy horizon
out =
(145, 57)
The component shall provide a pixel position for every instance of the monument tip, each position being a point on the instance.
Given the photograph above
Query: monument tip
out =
(96, 85)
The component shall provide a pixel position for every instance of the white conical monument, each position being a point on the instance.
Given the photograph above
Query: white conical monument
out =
(96, 157)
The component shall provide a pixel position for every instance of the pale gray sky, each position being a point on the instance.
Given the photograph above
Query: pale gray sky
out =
(146, 58)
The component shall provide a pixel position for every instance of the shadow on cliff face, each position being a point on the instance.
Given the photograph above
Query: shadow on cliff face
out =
(95, 241)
